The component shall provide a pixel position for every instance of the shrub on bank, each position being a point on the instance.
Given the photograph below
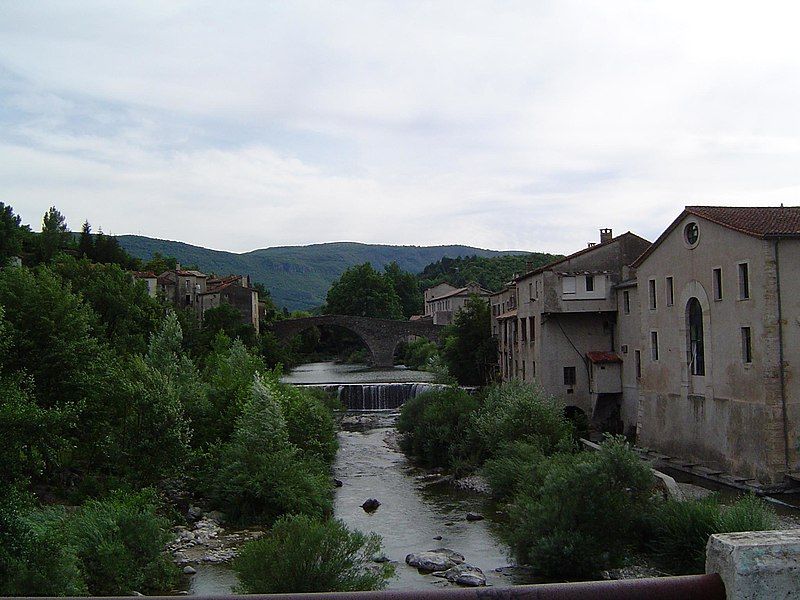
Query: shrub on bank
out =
(303, 554)
(680, 530)
(579, 512)
(437, 425)
(260, 474)
(519, 412)
(418, 353)
(512, 467)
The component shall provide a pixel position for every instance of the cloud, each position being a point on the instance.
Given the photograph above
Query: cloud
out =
(505, 124)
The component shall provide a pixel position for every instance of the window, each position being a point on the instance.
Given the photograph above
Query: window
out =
(697, 361)
(652, 284)
(532, 321)
(568, 285)
(747, 348)
(530, 290)
(654, 346)
(670, 292)
(691, 233)
(569, 375)
(637, 357)
(524, 327)
(744, 281)
(590, 283)
(523, 370)
(626, 302)
(624, 348)
(533, 370)
(717, 284)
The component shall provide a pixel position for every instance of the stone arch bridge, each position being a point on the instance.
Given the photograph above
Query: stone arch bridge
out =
(381, 336)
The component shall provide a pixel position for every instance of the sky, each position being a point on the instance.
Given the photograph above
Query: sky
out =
(505, 125)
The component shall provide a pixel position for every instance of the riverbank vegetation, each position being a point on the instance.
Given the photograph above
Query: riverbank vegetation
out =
(572, 513)
(118, 412)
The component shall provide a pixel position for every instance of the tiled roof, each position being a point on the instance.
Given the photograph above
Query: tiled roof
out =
(759, 221)
(191, 273)
(459, 291)
(144, 275)
(603, 357)
(508, 314)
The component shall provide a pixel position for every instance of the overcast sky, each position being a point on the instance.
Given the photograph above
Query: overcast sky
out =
(508, 125)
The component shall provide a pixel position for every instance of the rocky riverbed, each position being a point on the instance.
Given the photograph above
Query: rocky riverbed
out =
(207, 541)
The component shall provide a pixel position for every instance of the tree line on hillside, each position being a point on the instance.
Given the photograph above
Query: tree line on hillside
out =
(118, 411)
(492, 273)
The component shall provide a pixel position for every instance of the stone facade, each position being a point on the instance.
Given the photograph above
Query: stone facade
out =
(443, 301)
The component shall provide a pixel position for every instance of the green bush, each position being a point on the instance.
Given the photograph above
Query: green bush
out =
(120, 544)
(36, 558)
(579, 512)
(512, 467)
(303, 554)
(419, 353)
(519, 412)
(437, 426)
(681, 529)
(260, 474)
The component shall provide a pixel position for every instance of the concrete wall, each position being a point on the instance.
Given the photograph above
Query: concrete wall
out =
(731, 417)
(627, 342)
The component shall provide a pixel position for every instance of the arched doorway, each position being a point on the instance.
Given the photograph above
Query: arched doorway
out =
(695, 345)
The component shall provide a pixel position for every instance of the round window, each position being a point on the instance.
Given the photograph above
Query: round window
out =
(691, 233)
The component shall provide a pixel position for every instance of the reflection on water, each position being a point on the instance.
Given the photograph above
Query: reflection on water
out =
(330, 372)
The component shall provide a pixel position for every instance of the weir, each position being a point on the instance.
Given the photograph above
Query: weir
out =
(376, 396)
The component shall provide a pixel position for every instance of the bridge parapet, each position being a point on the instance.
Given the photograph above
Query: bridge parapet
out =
(381, 336)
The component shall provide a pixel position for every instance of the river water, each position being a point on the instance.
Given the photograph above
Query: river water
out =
(414, 507)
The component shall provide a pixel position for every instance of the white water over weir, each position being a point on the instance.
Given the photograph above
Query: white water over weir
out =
(376, 396)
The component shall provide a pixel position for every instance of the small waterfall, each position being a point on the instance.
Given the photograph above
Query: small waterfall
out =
(376, 396)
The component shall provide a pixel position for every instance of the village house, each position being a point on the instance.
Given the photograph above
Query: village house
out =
(443, 301)
(559, 329)
(150, 279)
(719, 318)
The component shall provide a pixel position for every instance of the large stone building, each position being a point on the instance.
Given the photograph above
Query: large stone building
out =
(719, 310)
(557, 326)
(690, 344)
(443, 301)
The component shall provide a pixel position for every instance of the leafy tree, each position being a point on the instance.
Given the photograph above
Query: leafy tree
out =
(226, 319)
(159, 263)
(55, 234)
(470, 350)
(128, 315)
(107, 250)
(406, 286)
(361, 291)
(302, 554)
(86, 241)
(12, 233)
(492, 273)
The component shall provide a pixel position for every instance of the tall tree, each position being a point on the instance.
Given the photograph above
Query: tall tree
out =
(55, 234)
(86, 242)
(12, 233)
(407, 288)
(362, 292)
(470, 350)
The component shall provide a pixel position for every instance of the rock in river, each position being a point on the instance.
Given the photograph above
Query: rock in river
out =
(471, 516)
(371, 505)
(440, 559)
(463, 574)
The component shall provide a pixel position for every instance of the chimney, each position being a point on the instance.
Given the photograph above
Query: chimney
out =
(605, 236)
(177, 266)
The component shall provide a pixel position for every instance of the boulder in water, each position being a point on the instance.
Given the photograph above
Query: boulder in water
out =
(440, 559)
(370, 505)
(337, 482)
(380, 557)
(463, 574)
(471, 516)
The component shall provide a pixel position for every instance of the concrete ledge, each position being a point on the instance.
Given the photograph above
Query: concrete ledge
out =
(756, 564)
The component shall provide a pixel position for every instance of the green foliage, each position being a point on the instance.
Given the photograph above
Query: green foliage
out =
(436, 425)
(578, 512)
(302, 554)
(363, 292)
(12, 234)
(406, 286)
(260, 474)
(55, 234)
(520, 412)
(127, 314)
(470, 350)
(419, 353)
(680, 530)
(491, 272)
(119, 542)
(36, 557)
(228, 320)
(86, 241)
(512, 467)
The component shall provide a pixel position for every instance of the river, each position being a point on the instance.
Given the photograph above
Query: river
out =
(414, 508)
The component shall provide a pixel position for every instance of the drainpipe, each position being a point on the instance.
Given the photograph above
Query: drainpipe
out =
(780, 356)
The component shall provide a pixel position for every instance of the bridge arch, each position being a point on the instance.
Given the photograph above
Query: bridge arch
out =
(380, 336)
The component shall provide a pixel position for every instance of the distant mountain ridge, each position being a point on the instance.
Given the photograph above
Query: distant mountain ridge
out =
(299, 276)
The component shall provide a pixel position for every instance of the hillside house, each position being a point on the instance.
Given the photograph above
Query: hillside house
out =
(443, 301)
